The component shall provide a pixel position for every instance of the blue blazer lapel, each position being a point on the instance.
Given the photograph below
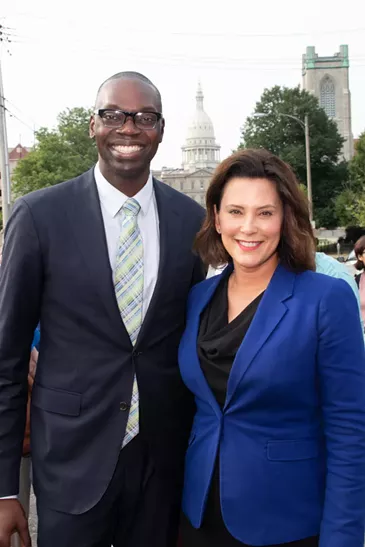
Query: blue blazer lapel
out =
(270, 312)
(196, 375)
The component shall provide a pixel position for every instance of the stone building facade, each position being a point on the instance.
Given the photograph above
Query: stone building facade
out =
(328, 79)
(200, 156)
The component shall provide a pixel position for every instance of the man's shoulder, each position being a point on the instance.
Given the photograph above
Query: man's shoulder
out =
(57, 192)
(328, 265)
(183, 201)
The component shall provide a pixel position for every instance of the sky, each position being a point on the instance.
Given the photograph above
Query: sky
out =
(61, 52)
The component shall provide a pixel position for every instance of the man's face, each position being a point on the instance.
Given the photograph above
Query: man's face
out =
(126, 151)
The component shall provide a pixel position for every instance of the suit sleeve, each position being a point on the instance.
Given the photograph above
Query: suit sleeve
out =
(20, 292)
(341, 366)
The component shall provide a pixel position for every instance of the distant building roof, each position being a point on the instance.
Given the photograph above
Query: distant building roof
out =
(18, 152)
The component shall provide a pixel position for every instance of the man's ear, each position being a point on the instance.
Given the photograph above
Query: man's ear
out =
(162, 130)
(92, 127)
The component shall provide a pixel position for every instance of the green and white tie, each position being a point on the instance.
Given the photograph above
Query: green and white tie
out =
(128, 283)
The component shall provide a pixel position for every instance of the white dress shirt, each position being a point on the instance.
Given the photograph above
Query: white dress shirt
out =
(111, 201)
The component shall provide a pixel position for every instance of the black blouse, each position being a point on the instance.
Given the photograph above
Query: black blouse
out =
(218, 340)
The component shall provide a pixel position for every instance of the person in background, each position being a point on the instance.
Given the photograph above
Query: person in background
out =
(360, 277)
(275, 357)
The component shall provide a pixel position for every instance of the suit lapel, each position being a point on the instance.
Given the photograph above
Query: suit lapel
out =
(171, 227)
(190, 341)
(270, 312)
(87, 222)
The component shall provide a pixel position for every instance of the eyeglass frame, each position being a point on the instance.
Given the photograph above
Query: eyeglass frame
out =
(99, 112)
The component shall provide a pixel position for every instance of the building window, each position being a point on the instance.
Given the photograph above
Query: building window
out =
(327, 98)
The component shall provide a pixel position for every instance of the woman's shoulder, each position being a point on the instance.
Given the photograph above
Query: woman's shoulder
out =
(202, 287)
(320, 280)
(323, 286)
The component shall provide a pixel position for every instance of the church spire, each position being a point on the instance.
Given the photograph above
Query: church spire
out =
(199, 97)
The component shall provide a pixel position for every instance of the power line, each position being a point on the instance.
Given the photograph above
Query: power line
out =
(165, 32)
(176, 59)
(21, 112)
(5, 34)
(259, 35)
(12, 115)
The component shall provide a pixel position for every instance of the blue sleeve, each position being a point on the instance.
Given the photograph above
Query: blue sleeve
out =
(341, 368)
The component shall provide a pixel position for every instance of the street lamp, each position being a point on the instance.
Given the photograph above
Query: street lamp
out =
(305, 126)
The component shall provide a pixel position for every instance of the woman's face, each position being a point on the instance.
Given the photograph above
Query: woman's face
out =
(250, 221)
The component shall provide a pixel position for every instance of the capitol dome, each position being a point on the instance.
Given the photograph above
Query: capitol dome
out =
(201, 126)
(200, 150)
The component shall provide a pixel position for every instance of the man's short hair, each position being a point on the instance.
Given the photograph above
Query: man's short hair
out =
(133, 76)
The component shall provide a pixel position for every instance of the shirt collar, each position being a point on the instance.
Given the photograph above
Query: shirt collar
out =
(113, 199)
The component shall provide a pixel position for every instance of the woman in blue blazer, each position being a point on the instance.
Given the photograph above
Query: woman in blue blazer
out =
(274, 354)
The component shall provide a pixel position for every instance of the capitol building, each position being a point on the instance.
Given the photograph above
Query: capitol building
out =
(200, 156)
(325, 77)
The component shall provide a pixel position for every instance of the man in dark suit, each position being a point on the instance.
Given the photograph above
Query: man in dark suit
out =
(104, 261)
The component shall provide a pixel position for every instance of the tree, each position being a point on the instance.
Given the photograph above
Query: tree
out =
(60, 154)
(357, 165)
(350, 204)
(285, 137)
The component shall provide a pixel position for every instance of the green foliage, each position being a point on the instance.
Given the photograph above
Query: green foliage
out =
(60, 154)
(285, 137)
(344, 207)
(357, 164)
(350, 204)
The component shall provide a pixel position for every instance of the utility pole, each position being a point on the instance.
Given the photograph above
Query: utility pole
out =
(4, 154)
(309, 171)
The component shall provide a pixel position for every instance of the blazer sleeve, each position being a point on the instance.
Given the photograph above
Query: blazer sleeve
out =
(341, 367)
(20, 292)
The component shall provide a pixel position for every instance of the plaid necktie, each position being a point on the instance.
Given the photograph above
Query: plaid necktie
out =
(128, 284)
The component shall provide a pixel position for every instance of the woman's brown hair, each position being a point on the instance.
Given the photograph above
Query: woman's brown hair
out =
(297, 245)
(359, 251)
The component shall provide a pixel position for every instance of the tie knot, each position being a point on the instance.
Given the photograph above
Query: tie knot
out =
(131, 207)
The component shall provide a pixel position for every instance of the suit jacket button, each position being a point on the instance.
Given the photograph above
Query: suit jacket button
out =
(124, 406)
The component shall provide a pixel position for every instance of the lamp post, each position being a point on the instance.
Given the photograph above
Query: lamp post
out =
(305, 126)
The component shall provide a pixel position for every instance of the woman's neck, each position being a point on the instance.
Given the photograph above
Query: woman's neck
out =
(253, 279)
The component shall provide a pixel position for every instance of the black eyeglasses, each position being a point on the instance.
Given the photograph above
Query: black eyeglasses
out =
(117, 118)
